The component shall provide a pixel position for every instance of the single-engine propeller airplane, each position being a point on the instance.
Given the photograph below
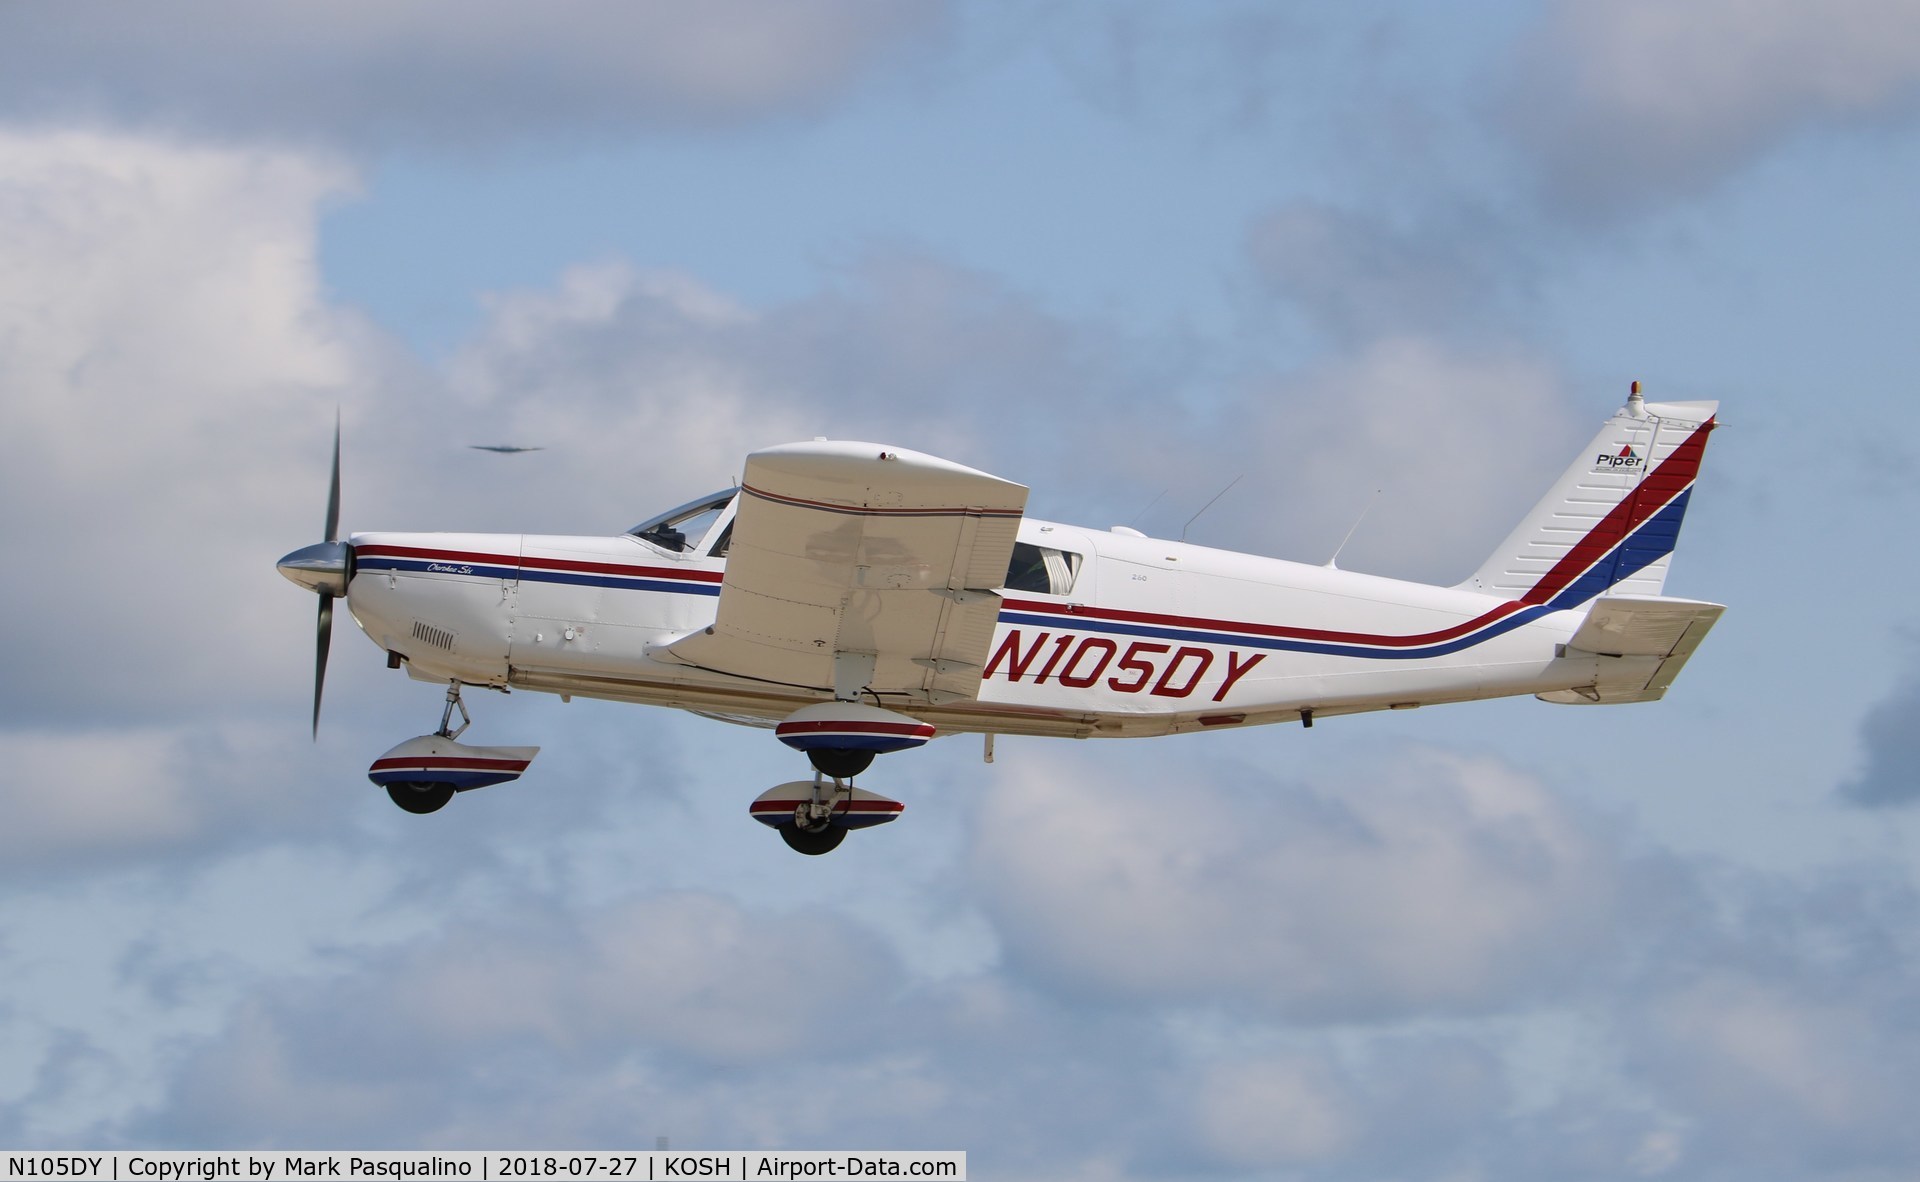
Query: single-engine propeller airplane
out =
(860, 599)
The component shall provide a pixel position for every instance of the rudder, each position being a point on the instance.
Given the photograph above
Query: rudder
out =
(1611, 521)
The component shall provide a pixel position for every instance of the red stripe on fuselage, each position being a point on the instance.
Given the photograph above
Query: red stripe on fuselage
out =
(1068, 612)
(472, 558)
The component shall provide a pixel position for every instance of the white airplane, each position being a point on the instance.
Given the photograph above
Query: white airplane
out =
(860, 598)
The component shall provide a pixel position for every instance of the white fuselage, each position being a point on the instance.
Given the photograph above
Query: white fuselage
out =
(1151, 637)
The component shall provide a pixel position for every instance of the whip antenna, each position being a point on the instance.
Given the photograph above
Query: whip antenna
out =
(1209, 505)
(1334, 562)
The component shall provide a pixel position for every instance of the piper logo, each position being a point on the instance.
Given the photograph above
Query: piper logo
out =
(1628, 460)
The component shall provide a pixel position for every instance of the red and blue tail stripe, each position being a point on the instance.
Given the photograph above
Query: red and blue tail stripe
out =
(1639, 531)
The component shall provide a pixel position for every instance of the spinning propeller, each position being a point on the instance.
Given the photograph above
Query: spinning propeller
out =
(324, 568)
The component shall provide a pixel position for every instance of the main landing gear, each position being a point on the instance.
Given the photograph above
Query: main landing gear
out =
(812, 831)
(840, 739)
(422, 774)
(813, 816)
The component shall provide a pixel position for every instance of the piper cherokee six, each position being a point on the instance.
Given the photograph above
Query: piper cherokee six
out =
(860, 599)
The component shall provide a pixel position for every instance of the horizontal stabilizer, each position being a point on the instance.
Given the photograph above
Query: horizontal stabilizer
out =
(1649, 639)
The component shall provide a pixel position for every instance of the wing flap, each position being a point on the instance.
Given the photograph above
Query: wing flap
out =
(848, 557)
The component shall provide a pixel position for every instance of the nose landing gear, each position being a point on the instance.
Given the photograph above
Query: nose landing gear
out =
(422, 774)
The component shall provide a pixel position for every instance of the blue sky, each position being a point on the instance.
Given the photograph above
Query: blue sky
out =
(1120, 252)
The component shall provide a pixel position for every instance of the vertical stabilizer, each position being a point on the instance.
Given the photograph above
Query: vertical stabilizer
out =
(1611, 521)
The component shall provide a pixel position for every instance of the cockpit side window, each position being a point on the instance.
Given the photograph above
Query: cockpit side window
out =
(1042, 570)
(685, 527)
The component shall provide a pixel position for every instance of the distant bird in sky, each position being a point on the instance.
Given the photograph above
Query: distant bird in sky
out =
(505, 449)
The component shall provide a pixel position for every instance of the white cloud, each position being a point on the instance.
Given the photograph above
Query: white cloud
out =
(1780, 1055)
(1761, 1045)
(83, 799)
(166, 362)
(647, 384)
(649, 380)
(1459, 443)
(640, 999)
(1438, 883)
(1626, 103)
(1275, 1111)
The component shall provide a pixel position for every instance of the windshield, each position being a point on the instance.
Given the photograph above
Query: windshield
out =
(685, 527)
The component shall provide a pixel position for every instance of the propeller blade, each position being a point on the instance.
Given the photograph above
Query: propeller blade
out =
(320, 657)
(333, 494)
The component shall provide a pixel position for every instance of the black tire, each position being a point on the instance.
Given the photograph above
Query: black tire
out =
(820, 841)
(842, 763)
(419, 796)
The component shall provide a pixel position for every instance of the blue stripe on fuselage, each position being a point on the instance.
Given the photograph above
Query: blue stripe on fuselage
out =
(1080, 622)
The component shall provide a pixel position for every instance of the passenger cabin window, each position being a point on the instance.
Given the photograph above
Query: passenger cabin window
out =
(684, 527)
(1042, 570)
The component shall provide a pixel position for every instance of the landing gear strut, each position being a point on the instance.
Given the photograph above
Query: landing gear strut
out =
(446, 716)
(840, 738)
(812, 830)
(421, 797)
(813, 816)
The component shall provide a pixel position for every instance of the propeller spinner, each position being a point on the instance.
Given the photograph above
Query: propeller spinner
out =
(325, 568)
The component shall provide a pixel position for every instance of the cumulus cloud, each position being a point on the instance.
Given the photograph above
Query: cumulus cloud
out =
(907, 349)
(166, 363)
(1625, 103)
(643, 991)
(441, 74)
(1442, 884)
(649, 379)
(1277, 1110)
(1782, 1028)
(1458, 441)
(82, 800)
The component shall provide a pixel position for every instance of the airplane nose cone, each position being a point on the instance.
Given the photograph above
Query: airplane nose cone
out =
(324, 567)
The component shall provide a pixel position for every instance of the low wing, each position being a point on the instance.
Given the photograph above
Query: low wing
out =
(857, 566)
(1651, 636)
